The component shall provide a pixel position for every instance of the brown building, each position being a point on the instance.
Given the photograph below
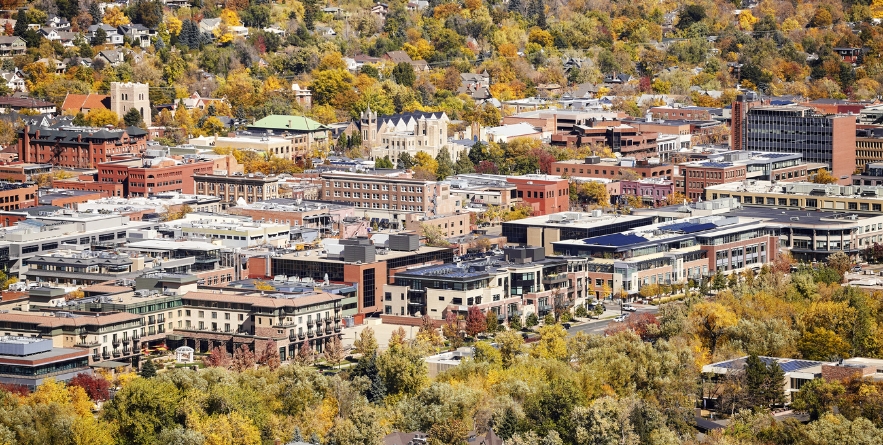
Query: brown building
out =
(685, 113)
(594, 167)
(252, 187)
(457, 224)
(736, 166)
(78, 147)
(87, 183)
(868, 146)
(388, 196)
(66, 198)
(624, 139)
(17, 196)
(327, 217)
(147, 177)
(20, 172)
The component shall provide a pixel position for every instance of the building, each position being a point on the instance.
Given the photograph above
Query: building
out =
(827, 139)
(797, 372)
(302, 96)
(74, 268)
(836, 106)
(403, 133)
(15, 196)
(871, 175)
(388, 197)
(553, 121)
(231, 188)
(597, 167)
(871, 115)
(545, 194)
(84, 103)
(19, 104)
(78, 147)
(304, 133)
(675, 251)
(452, 225)
(545, 230)
(21, 172)
(228, 230)
(269, 145)
(868, 146)
(150, 176)
(28, 361)
(103, 337)
(129, 95)
(365, 263)
(12, 46)
(682, 113)
(68, 199)
(621, 138)
(652, 192)
(736, 166)
(327, 217)
(508, 133)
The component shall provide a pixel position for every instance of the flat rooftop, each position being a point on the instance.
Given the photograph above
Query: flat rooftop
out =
(800, 188)
(158, 245)
(393, 254)
(575, 219)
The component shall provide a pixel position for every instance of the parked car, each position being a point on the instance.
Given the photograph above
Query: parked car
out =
(857, 269)
(628, 307)
(566, 325)
(620, 318)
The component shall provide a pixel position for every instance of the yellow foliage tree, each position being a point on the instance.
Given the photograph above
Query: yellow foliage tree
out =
(711, 320)
(229, 17)
(420, 50)
(174, 25)
(115, 17)
(552, 344)
(100, 117)
(747, 20)
(824, 177)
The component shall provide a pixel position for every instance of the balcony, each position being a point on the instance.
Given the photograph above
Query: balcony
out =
(87, 344)
(328, 329)
(337, 328)
(310, 323)
(126, 350)
(116, 343)
(554, 279)
(292, 336)
(301, 335)
(96, 357)
(310, 333)
(105, 355)
(328, 321)
(117, 353)
(136, 336)
(337, 316)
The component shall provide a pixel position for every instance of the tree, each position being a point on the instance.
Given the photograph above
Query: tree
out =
(366, 344)
(531, 320)
(824, 177)
(552, 344)
(840, 262)
(101, 117)
(270, 356)
(375, 391)
(21, 23)
(510, 343)
(243, 359)
(403, 73)
(712, 320)
(133, 118)
(434, 235)
(763, 383)
(476, 322)
(304, 355)
(217, 359)
(493, 323)
(115, 17)
(405, 161)
(817, 397)
(463, 165)
(96, 386)
(428, 336)
(99, 38)
(451, 329)
(445, 165)
(148, 369)
(383, 162)
(334, 352)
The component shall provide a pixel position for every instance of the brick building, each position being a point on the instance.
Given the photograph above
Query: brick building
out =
(324, 216)
(456, 224)
(737, 166)
(652, 192)
(252, 187)
(146, 177)
(595, 167)
(546, 194)
(621, 138)
(21, 172)
(17, 196)
(78, 147)
(388, 197)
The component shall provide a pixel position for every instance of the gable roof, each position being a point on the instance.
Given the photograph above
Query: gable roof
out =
(398, 56)
(87, 101)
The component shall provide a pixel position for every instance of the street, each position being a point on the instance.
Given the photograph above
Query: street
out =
(599, 326)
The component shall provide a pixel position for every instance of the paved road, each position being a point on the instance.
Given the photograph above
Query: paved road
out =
(599, 326)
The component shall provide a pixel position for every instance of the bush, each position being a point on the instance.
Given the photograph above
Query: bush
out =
(531, 321)
(515, 323)
(565, 317)
(581, 312)
(549, 319)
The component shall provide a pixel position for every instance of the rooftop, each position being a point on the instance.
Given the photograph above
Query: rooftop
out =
(576, 219)
(801, 188)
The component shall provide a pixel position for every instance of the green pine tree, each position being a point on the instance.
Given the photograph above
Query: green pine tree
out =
(148, 369)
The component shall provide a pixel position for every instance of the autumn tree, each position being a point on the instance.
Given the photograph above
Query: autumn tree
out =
(334, 352)
(840, 262)
(366, 344)
(217, 359)
(96, 386)
(243, 359)
(304, 355)
(711, 321)
(270, 356)
(476, 321)
(824, 177)
(428, 336)
(451, 329)
(434, 235)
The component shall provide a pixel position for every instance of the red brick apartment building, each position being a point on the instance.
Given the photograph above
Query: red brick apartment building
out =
(17, 196)
(621, 138)
(545, 194)
(20, 172)
(78, 147)
(594, 167)
(144, 177)
(736, 166)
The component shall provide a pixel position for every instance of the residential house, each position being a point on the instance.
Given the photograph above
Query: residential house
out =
(617, 79)
(302, 96)
(325, 31)
(274, 29)
(209, 25)
(112, 57)
(84, 103)
(12, 46)
(139, 34)
(548, 89)
(397, 57)
(380, 10)
(475, 85)
(14, 80)
(50, 34)
(113, 37)
(195, 101)
(59, 23)
(573, 63)
(59, 66)
(18, 104)
(362, 59)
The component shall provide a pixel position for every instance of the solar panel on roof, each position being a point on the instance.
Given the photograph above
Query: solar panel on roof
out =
(698, 227)
(616, 239)
(794, 365)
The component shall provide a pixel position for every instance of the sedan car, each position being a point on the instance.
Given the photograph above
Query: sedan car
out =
(628, 307)
(620, 318)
